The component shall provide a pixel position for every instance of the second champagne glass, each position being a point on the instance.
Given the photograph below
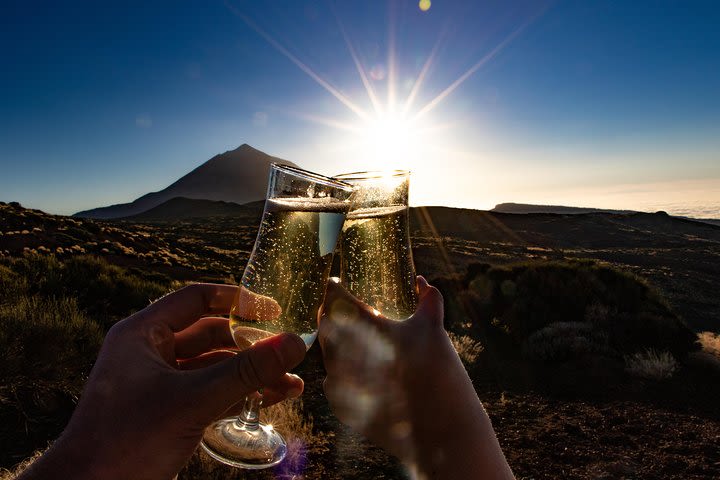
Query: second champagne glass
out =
(376, 263)
(282, 289)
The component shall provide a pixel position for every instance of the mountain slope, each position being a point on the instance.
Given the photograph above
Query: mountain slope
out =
(237, 176)
(181, 208)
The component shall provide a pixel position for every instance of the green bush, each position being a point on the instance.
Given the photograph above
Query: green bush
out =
(561, 341)
(12, 285)
(608, 310)
(47, 348)
(105, 292)
(53, 315)
(47, 340)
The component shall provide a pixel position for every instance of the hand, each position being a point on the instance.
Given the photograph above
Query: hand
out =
(162, 376)
(375, 366)
(402, 385)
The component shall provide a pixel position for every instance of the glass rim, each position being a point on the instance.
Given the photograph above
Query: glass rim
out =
(371, 175)
(315, 177)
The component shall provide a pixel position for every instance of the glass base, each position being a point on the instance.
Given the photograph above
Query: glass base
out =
(230, 441)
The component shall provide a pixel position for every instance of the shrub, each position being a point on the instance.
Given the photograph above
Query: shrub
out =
(47, 348)
(53, 313)
(105, 292)
(12, 285)
(651, 365)
(519, 300)
(566, 340)
(48, 340)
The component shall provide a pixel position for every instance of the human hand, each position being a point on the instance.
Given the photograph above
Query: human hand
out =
(377, 367)
(402, 385)
(162, 376)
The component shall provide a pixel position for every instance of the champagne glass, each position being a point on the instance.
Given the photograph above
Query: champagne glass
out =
(376, 263)
(283, 286)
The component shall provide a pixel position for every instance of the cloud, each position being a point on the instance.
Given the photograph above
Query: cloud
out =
(260, 119)
(143, 120)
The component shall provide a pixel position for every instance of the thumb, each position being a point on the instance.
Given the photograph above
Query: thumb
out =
(430, 304)
(225, 383)
(342, 310)
(342, 306)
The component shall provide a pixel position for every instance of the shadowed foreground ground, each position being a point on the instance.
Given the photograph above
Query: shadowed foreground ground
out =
(554, 421)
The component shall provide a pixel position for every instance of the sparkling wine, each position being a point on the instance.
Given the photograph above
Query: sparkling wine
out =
(286, 275)
(376, 262)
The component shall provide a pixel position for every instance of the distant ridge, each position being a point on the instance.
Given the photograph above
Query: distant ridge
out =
(238, 176)
(527, 208)
(710, 221)
(560, 209)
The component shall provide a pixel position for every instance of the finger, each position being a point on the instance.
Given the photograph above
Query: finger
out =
(336, 299)
(270, 398)
(253, 306)
(261, 364)
(288, 386)
(340, 305)
(328, 338)
(208, 333)
(205, 360)
(430, 303)
(351, 403)
(183, 307)
(340, 310)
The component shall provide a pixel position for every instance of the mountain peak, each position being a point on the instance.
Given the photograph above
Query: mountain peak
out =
(246, 147)
(237, 176)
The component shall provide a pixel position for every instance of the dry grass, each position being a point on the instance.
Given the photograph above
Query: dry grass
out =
(297, 429)
(709, 355)
(710, 342)
(467, 348)
(6, 474)
(287, 417)
(651, 365)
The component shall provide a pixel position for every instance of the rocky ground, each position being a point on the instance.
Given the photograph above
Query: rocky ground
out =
(637, 429)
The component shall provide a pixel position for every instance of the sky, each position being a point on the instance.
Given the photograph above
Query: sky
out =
(612, 104)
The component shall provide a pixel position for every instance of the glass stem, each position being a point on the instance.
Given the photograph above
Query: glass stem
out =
(249, 419)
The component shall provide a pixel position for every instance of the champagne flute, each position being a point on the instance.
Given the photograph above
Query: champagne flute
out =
(376, 263)
(283, 286)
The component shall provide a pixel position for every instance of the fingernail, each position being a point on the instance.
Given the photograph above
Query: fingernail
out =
(294, 392)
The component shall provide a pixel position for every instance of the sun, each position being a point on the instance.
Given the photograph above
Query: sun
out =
(391, 127)
(388, 138)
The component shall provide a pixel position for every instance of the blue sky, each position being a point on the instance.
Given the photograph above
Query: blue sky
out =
(598, 103)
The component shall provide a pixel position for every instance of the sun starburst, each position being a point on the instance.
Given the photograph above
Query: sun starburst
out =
(397, 132)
